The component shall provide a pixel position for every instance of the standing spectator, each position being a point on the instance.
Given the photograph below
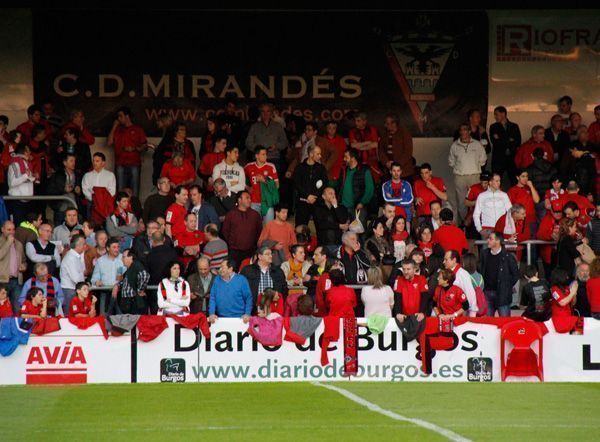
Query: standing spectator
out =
(354, 260)
(582, 305)
(109, 268)
(576, 123)
(540, 173)
(34, 118)
(310, 178)
(308, 139)
(27, 231)
(463, 279)
(549, 231)
(142, 244)
(174, 293)
(132, 288)
(525, 194)
(269, 133)
(399, 192)
(565, 105)
(364, 138)
(585, 167)
(93, 253)
(158, 203)
(20, 182)
(258, 173)
(64, 182)
(122, 224)
(410, 293)
(129, 141)
(500, 273)
(12, 263)
(178, 170)
(42, 250)
(209, 160)
(563, 298)
(224, 200)
(241, 229)
(593, 230)
(316, 270)
(396, 146)
(230, 296)
(474, 191)
(77, 122)
(156, 263)
(568, 255)
(262, 275)
(99, 185)
(178, 143)
(506, 138)
(204, 211)
(340, 146)
(467, 157)
(490, 206)
(200, 285)
(448, 236)
(231, 122)
(524, 156)
(189, 241)
(341, 300)
(554, 193)
(594, 129)
(72, 268)
(50, 117)
(72, 145)
(70, 227)
(40, 157)
(356, 187)
(50, 287)
(215, 249)
(331, 219)
(230, 170)
(536, 295)
(208, 138)
(558, 138)
(377, 297)
(477, 129)
(279, 234)
(593, 289)
(176, 213)
(450, 301)
(515, 229)
(427, 189)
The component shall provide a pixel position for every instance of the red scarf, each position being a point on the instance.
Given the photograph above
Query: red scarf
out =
(350, 347)
(427, 248)
(122, 218)
(50, 294)
(21, 162)
(163, 290)
(456, 269)
(400, 236)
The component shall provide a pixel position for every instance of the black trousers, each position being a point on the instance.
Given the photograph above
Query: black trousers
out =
(304, 212)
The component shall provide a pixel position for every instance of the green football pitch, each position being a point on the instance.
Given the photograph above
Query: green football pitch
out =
(300, 411)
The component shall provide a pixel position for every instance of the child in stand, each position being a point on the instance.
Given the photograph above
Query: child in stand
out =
(535, 296)
(83, 305)
(35, 305)
(269, 304)
(5, 305)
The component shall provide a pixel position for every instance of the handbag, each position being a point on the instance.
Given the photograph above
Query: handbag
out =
(356, 226)
(586, 252)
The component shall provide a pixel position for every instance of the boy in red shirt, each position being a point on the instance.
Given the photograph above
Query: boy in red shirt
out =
(450, 301)
(35, 305)
(5, 305)
(410, 293)
(427, 189)
(83, 305)
(448, 236)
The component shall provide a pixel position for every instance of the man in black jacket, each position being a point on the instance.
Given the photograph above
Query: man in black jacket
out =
(355, 261)
(157, 262)
(331, 219)
(223, 200)
(64, 182)
(500, 273)
(310, 178)
(506, 138)
(557, 137)
(263, 275)
(584, 168)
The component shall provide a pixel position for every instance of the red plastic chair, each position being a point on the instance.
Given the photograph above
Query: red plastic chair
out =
(522, 359)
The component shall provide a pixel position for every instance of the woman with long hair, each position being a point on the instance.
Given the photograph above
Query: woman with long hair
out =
(568, 255)
(174, 292)
(377, 297)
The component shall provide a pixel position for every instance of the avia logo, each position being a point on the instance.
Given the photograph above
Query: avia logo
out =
(417, 60)
(56, 365)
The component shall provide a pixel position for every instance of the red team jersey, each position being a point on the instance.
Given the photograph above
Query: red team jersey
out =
(29, 309)
(175, 217)
(180, 174)
(187, 238)
(6, 309)
(252, 170)
(449, 300)
(410, 292)
(450, 237)
(79, 307)
(522, 195)
(427, 195)
(132, 136)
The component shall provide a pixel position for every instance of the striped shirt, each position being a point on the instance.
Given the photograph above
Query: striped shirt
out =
(215, 251)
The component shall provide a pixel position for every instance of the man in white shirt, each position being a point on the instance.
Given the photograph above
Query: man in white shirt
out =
(467, 157)
(72, 269)
(42, 250)
(98, 177)
(463, 279)
(230, 170)
(490, 206)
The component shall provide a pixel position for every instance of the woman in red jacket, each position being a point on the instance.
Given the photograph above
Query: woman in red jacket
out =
(593, 289)
(563, 298)
(340, 299)
(450, 301)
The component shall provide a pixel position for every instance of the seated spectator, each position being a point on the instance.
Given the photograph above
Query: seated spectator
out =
(176, 213)
(189, 241)
(142, 244)
(224, 200)
(174, 293)
(410, 293)
(295, 270)
(263, 274)
(378, 246)
(515, 229)
(448, 236)
(215, 249)
(400, 237)
(83, 304)
(158, 203)
(305, 238)
(109, 268)
(35, 305)
(131, 290)
(241, 229)
(161, 254)
(377, 297)
(279, 235)
(388, 215)
(209, 160)
(425, 240)
(593, 289)
(230, 296)
(450, 301)
(594, 129)
(584, 168)
(435, 222)
(399, 193)
(6, 310)
(463, 279)
(418, 257)
(179, 171)
(258, 174)
(72, 269)
(27, 231)
(201, 283)
(135, 205)
(353, 259)
(42, 250)
(568, 255)
(536, 296)
(341, 300)
(269, 304)
(122, 224)
(524, 157)
(230, 170)
(593, 230)
(316, 270)
(205, 212)
(331, 219)
(563, 298)
(51, 288)
(69, 228)
(548, 230)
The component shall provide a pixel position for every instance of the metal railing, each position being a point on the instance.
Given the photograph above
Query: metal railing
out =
(41, 198)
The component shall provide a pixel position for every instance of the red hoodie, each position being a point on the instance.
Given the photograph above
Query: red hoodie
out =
(524, 157)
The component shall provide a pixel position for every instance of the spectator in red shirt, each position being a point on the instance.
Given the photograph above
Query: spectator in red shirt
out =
(365, 139)
(260, 171)
(5, 305)
(211, 159)
(187, 243)
(594, 129)
(450, 301)
(178, 170)
(129, 141)
(563, 299)
(525, 194)
(524, 156)
(35, 305)
(178, 142)
(340, 299)
(448, 236)
(410, 293)
(176, 213)
(427, 189)
(34, 117)
(554, 193)
(338, 142)
(516, 230)
(83, 305)
(77, 122)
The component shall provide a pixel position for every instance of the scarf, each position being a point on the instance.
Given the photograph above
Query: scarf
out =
(295, 270)
(121, 218)
(400, 236)
(50, 295)
(163, 290)
(21, 162)
(427, 248)
(350, 347)
(28, 225)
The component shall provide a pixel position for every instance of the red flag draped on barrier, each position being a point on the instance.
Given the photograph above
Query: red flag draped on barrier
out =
(85, 323)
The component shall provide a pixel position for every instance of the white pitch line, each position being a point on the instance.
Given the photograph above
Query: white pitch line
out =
(376, 408)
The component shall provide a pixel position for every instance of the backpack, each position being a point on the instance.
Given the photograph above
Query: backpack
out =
(480, 298)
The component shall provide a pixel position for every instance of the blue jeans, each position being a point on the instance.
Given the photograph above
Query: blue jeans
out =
(14, 291)
(503, 310)
(128, 176)
(270, 216)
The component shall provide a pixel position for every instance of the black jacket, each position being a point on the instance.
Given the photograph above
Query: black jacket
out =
(158, 260)
(327, 221)
(223, 206)
(252, 274)
(355, 266)
(508, 275)
(310, 180)
(504, 139)
(561, 144)
(83, 157)
(540, 174)
(141, 248)
(585, 174)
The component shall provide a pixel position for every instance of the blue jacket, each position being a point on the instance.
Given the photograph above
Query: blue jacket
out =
(404, 199)
(11, 335)
(231, 299)
(206, 215)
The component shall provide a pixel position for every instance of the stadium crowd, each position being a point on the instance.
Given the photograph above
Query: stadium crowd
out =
(373, 233)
